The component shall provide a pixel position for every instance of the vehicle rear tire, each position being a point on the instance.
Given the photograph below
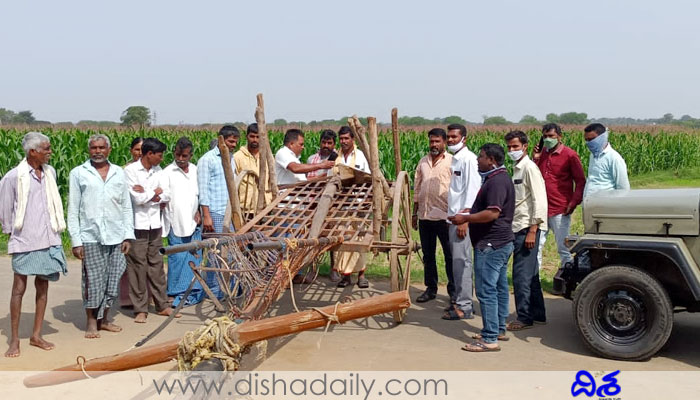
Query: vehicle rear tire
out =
(623, 313)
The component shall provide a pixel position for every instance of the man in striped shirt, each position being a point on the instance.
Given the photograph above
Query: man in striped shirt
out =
(32, 214)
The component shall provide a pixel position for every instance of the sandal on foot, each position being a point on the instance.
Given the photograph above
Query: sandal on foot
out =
(501, 337)
(479, 347)
(517, 326)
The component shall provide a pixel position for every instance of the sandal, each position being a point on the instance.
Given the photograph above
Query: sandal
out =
(517, 326)
(453, 314)
(479, 347)
(501, 337)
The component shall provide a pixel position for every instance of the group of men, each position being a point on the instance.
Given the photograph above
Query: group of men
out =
(117, 217)
(482, 216)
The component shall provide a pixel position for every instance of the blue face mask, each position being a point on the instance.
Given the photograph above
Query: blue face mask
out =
(597, 145)
(487, 173)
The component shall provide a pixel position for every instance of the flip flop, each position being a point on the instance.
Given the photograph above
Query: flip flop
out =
(479, 347)
(501, 337)
(517, 326)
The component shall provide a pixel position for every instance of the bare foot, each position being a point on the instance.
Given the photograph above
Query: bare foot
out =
(140, 318)
(91, 334)
(167, 311)
(13, 351)
(110, 327)
(41, 343)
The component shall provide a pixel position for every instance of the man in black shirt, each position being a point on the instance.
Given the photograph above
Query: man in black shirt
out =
(490, 230)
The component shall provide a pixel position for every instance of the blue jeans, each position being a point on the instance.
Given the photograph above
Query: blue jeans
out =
(491, 276)
(559, 224)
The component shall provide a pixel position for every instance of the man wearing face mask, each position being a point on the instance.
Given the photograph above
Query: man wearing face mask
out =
(464, 185)
(490, 230)
(564, 178)
(530, 217)
(607, 169)
(431, 185)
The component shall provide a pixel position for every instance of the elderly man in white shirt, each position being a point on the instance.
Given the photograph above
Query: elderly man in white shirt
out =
(288, 167)
(180, 223)
(465, 183)
(145, 268)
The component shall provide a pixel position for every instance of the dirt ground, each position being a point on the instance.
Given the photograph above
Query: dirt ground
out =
(422, 342)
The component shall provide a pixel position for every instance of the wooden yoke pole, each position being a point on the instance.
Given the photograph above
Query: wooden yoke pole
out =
(236, 214)
(265, 144)
(246, 333)
(397, 142)
(377, 189)
(262, 162)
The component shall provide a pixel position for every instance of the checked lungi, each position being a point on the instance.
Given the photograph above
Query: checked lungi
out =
(45, 264)
(103, 267)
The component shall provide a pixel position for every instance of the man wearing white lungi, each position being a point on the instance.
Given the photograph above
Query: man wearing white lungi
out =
(101, 224)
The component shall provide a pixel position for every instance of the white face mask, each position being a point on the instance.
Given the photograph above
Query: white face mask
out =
(515, 155)
(453, 148)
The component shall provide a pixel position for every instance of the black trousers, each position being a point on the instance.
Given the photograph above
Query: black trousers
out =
(429, 232)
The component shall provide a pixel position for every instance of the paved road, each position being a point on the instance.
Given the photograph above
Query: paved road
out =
(422, 342)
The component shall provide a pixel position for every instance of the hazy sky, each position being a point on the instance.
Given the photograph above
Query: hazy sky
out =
(204, 61)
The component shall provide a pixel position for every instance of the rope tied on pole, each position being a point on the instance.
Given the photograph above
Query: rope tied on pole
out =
(211, 340)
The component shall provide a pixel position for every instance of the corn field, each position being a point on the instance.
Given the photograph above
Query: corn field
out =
(643, 151)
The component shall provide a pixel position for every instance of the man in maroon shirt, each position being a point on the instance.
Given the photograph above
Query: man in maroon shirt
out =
(564, 179)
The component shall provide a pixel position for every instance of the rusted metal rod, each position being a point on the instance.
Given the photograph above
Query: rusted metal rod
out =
(207, 243)
(279, 244)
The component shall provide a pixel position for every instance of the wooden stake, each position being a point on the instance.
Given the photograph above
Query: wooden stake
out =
(377, 189)
(236, 214)
(262, 162)
(246, 333)
(359, 132)
(265, 144)
(397, 142)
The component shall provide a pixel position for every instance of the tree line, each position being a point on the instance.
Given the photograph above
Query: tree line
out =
(142, 116)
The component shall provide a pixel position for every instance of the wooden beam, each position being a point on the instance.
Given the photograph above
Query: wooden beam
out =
(236, 214)
(265, 144)
(246, 333)
(324, 205)
(377, 189)
(359, 132)
(397, 141)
